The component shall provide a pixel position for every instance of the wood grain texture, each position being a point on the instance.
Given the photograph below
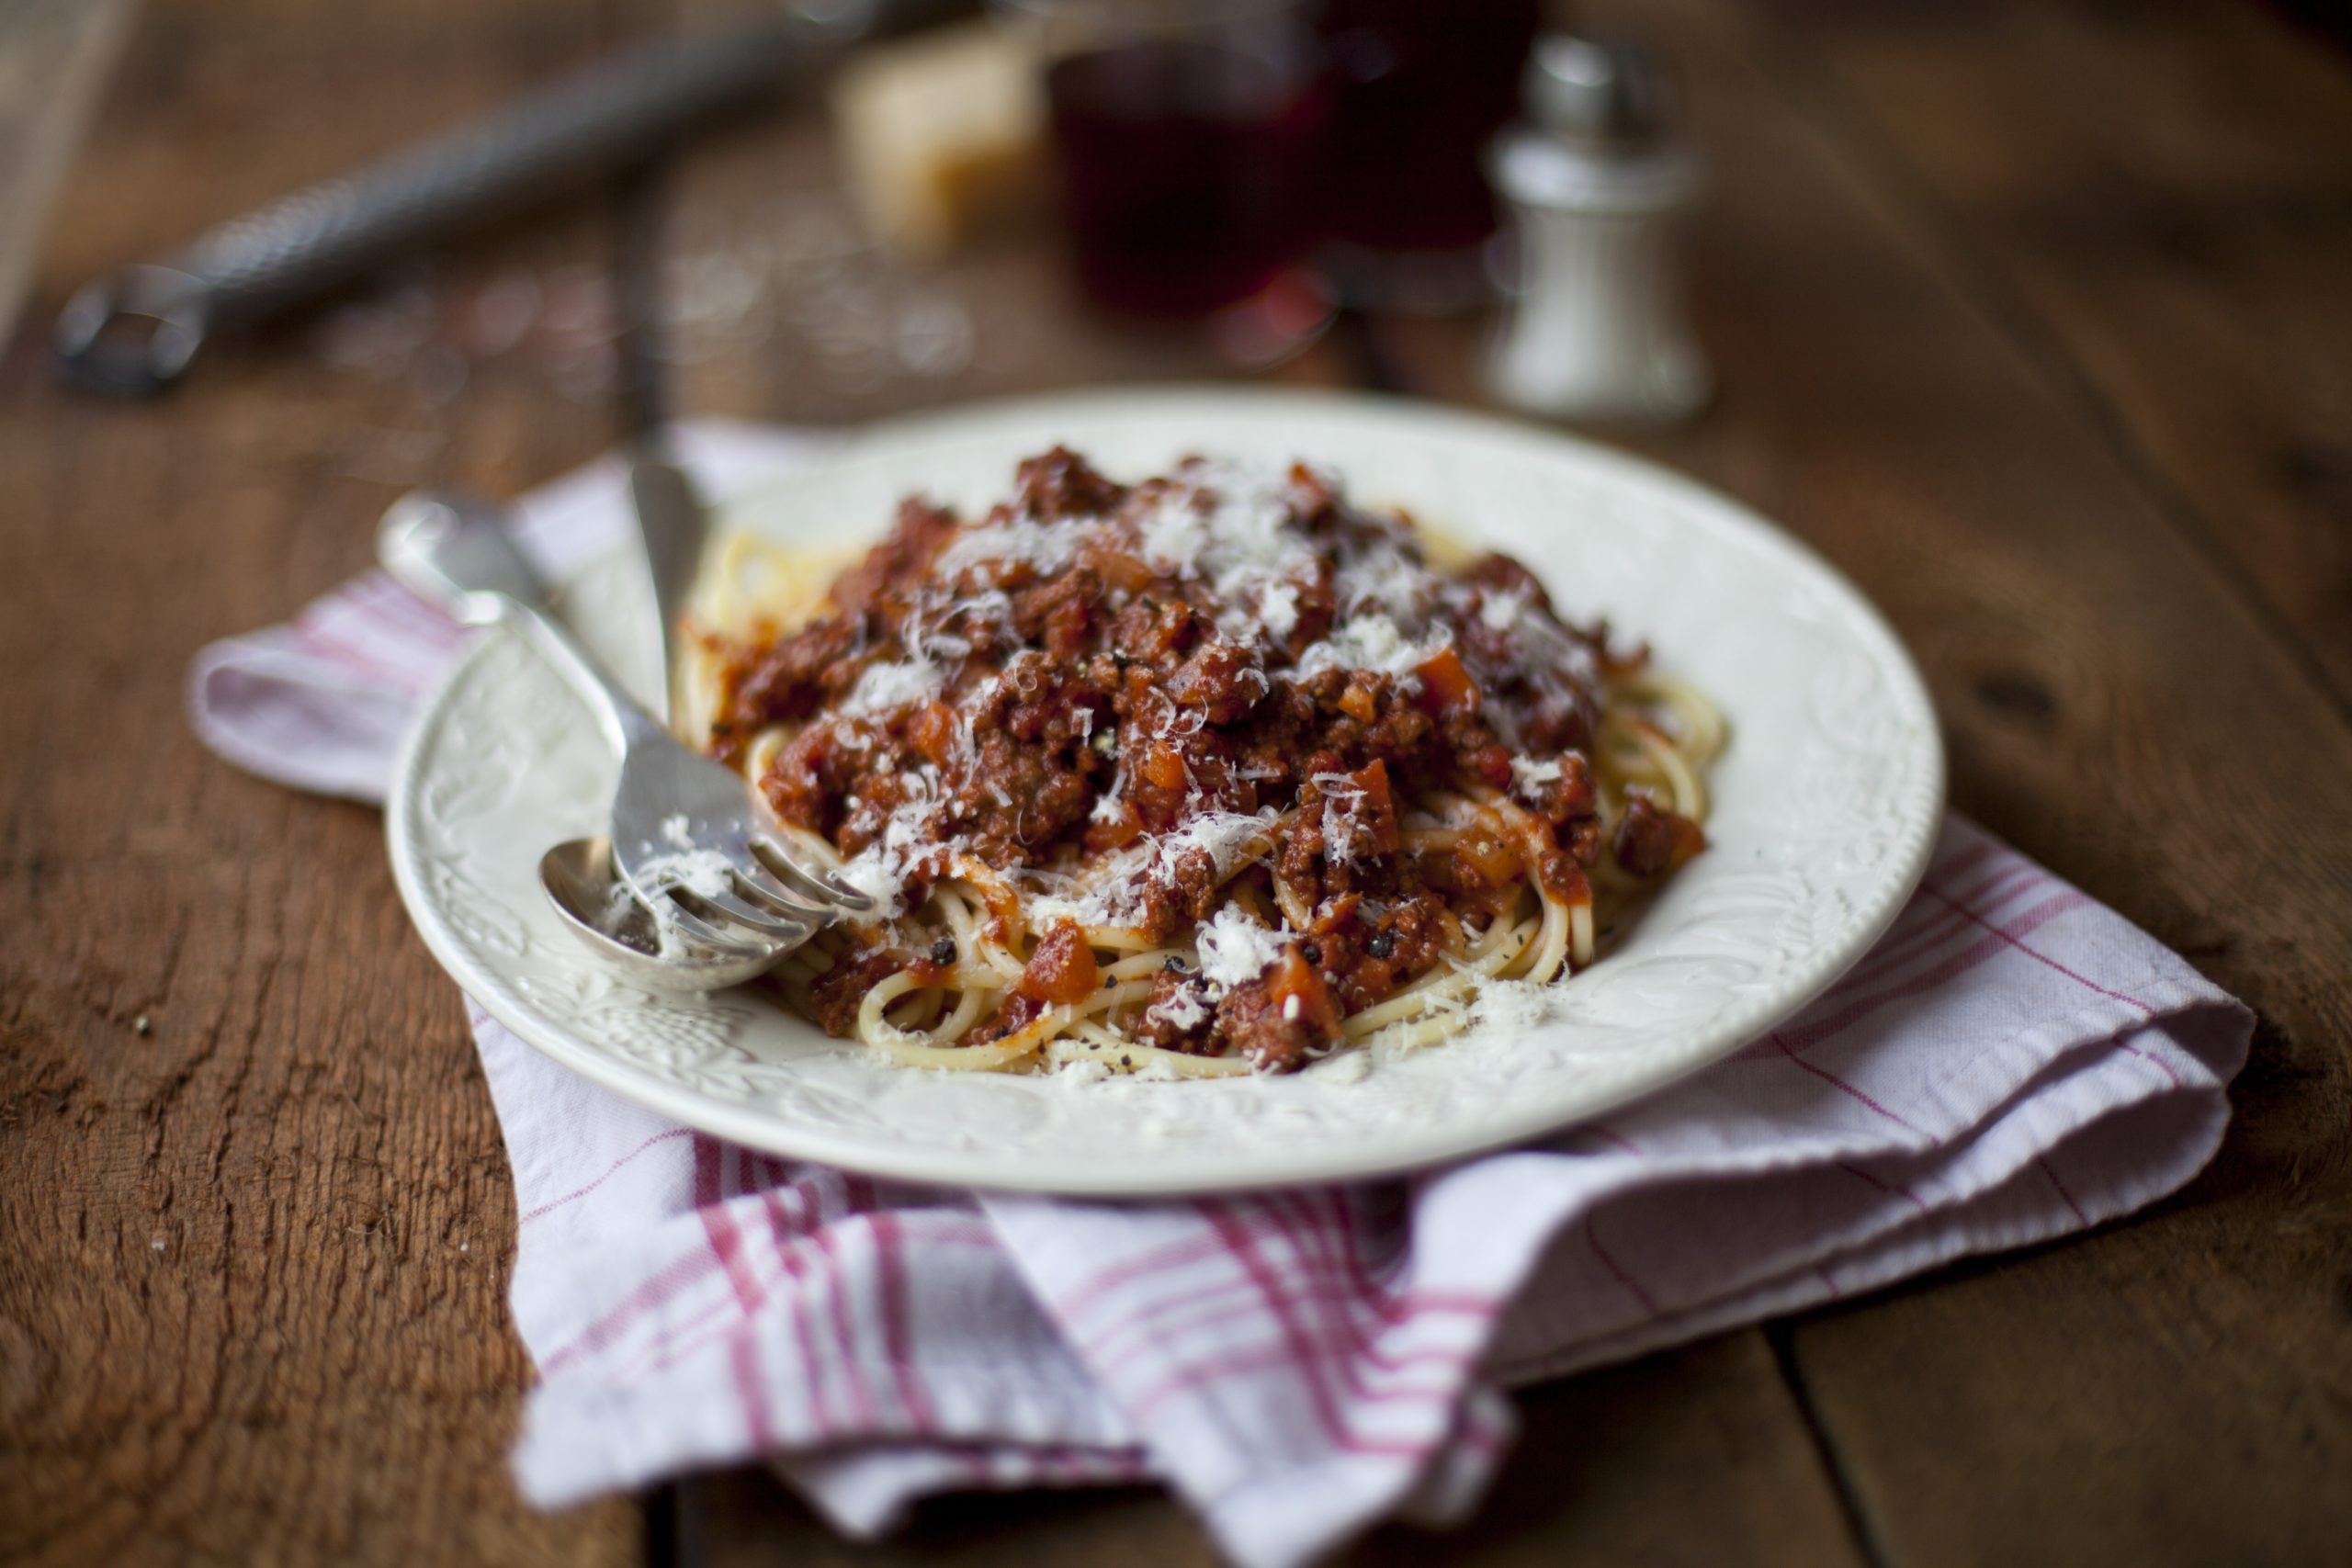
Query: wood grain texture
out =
(2129, 711)
(252, 1261)
(256, 1215)
(2159, 193)
(2161, 197)
(2127, 714)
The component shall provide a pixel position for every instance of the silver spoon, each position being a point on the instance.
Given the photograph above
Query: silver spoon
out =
(577, 874)
(752, 907)
(598, 909)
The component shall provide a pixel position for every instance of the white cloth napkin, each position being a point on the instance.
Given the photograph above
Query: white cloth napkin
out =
(2013, 1061)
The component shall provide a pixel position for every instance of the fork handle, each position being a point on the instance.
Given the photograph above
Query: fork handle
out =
(455, 553)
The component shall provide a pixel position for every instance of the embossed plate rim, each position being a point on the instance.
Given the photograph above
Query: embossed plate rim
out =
(1331, 1149)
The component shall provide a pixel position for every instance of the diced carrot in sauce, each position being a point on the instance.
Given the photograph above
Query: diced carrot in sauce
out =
(1446, 686)
(1062, 970)
(1164, 766)
(1335, 913)
(1117, 567)
(931, 731)
(1490, 850)
(1292, 978)
(1112, 830)
(1004, 906)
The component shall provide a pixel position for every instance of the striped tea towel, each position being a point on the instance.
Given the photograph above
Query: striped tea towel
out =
(2012, 1062)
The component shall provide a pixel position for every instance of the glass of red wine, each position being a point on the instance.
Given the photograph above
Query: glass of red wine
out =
(1190, 137)
(1419, 89)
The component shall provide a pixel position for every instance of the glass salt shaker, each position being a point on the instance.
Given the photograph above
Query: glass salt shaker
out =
(1598, 178)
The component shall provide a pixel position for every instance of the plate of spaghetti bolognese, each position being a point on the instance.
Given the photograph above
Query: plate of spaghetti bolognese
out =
(1251, 788)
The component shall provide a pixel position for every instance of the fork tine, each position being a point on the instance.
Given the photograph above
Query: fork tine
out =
(701, 932)
(765, 888)
(779, 928)
(821, 884)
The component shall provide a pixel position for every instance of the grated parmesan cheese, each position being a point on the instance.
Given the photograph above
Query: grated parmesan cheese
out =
(1346, 837)
(1049, 546)
(1227, 524)
(879, 870)
(1111, 892)
(1512, 1008)
(872, 873)
(1225, 835)
(1503, 609)
(1530, 773)
(1372, 642)
(1384, 576)
(1235, 949)
(1278, 608)
(885, 686)
(704, 871)
(1183, 1011)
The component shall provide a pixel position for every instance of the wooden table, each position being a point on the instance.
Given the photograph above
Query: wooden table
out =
(2036, 320)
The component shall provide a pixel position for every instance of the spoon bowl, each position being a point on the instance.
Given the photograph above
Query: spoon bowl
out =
(597, 908)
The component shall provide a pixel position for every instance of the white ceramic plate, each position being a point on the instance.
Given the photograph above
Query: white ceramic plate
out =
(1824, 808)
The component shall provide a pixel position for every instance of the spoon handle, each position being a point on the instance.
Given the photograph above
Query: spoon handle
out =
(453, 552)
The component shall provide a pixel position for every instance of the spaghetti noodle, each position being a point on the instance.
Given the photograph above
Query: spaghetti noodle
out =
(1209, 774)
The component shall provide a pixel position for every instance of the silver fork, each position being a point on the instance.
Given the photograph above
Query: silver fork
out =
(683, 835)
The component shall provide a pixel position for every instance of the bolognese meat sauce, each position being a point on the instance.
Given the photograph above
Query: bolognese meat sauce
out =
(1093, 667)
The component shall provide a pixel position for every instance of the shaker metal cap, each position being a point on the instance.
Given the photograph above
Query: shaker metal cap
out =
(1601, 133)
(1602, 94)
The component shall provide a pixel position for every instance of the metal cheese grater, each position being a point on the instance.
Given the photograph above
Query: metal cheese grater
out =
(136, 331)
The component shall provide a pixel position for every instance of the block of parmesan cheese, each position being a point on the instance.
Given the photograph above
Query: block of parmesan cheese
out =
(940, 133)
